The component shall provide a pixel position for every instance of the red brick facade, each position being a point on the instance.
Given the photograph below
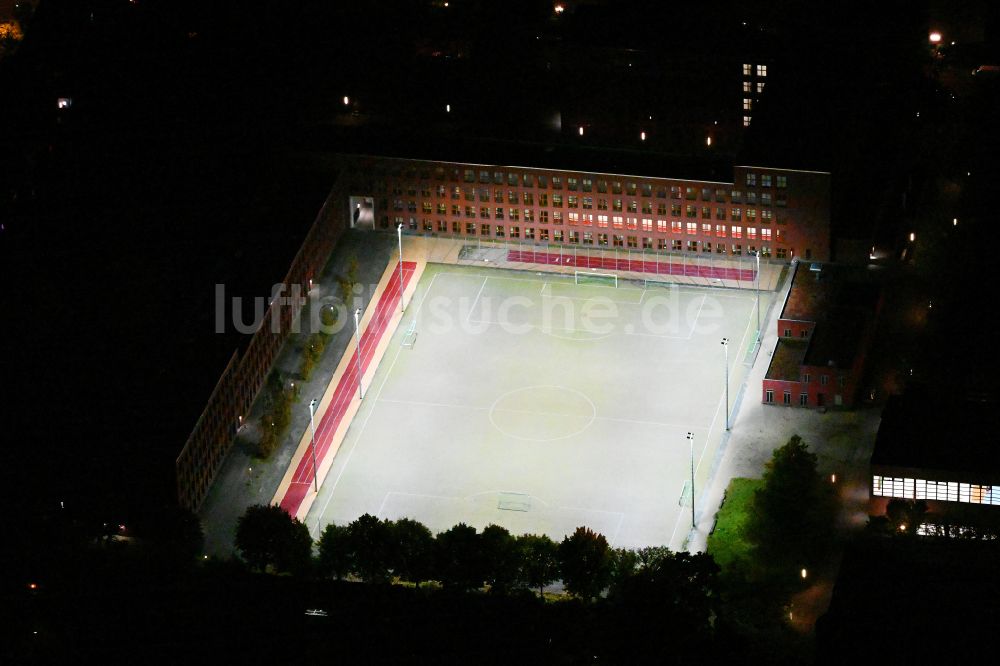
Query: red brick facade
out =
(783, 213)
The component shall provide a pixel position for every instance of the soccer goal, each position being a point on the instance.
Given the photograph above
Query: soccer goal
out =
(659, 284)
(410, 337)
(600, 279)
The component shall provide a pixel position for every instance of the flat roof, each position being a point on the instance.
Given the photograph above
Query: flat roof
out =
(786, 361)
(931, 431)
(841, 301)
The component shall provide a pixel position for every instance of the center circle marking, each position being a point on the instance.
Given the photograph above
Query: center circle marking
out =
(542, 413)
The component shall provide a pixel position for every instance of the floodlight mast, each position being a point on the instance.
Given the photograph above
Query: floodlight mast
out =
(690, 438)
(399, 235)
(725, 346)
(312, 428)
(357, 335)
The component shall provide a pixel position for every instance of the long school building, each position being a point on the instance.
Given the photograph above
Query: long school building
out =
(781, 213)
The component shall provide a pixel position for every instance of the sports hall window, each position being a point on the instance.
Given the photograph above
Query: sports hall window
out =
(765, 180)
(588, 184)
(512, 179)
(543, 182)
(556, 183)
(470, 228)
(787, 397)
(571, 184)
(528, 180)
(602, 186)
(616, 187)
(676, 246)
(781, 181)
(751, 179)
(675, 192)
(769, 396)
(630, 189)
(804, 399)
(691, 193)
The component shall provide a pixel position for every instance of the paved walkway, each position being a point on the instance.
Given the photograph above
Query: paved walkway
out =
(244, 479)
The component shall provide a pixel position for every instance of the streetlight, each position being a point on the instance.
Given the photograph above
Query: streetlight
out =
(690, 438)
(725, 346)
(312, 428)
(399, 234)
(758, 295)
(357, 335)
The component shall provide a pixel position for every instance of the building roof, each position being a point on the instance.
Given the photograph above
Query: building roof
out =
(931, 431)
(841, 301)
(786, 360)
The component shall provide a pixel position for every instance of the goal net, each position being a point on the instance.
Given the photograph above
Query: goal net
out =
(600, 279)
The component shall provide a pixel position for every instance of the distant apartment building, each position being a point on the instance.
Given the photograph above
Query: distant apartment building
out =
(824, 330)
(781, 213)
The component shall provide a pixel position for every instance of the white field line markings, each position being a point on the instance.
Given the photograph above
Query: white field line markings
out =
(357, 440)
(478, 294)
(547, 330)
(694, 324)
(476, 408)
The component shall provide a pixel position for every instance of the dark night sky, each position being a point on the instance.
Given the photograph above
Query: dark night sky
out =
(193, 155)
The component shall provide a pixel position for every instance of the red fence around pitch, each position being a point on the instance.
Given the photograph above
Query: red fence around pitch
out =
(302, 480)
(634, 265)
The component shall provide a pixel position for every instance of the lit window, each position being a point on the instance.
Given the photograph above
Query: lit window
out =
(692, 228)
(760, 88)
(747, 103)
(746, 121)
(747, 69)
(761, 70)
(782, 181)
(747, 87)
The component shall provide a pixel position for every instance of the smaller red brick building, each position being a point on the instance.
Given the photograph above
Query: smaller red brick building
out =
(824, 331)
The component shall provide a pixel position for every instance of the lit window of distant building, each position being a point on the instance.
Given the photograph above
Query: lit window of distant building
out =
(761, 70)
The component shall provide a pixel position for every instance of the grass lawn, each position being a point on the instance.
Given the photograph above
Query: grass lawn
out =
(727, 544)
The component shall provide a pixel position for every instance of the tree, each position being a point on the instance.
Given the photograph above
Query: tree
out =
(585, 563)
(501, 558)
(624, 564)
(539, 561)
(458, 558)
(794, 510)
(412, 550)
(270, 538)
(677, 590)
(335, 551)
(370, 542)
(174, 535)
(905, 516)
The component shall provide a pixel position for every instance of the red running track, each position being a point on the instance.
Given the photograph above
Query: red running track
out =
(638, 266)
(347, 388)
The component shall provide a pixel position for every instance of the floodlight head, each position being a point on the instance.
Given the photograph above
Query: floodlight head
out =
(312, 403)
(725, 341)
(690, 435)
(357, 313)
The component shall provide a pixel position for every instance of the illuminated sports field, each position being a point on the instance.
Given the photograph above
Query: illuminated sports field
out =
(541, 403)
